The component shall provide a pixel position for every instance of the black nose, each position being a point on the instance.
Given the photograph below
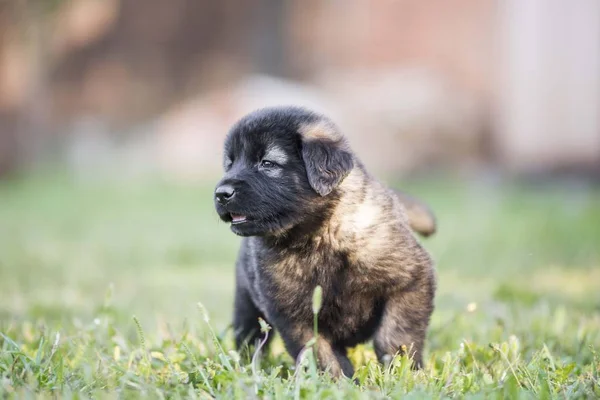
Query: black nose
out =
(224, 193)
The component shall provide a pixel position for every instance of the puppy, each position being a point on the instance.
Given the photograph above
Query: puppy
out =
(310, 214)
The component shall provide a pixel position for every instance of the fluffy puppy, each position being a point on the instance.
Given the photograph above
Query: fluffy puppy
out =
(310, 214)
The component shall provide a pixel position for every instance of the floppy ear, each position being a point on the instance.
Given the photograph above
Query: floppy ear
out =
(327, 164)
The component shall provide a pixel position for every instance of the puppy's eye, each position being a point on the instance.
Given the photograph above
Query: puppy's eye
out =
(267, 164)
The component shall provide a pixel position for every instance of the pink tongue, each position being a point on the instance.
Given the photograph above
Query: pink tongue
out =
(238, 218)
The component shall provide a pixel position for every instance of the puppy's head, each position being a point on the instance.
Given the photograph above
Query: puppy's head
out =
(282, 167)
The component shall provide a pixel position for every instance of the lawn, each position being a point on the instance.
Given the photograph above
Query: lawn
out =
(112, 288)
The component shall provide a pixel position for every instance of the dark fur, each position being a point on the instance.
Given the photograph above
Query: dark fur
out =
(321, 219)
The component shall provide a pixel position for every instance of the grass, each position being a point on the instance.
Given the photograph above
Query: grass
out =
(100, 284)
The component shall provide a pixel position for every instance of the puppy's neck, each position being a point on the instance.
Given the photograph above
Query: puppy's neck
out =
(323, 223)
(301, 234)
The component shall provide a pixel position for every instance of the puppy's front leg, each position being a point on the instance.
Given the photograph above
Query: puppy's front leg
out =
(245, 321)
(329, 357)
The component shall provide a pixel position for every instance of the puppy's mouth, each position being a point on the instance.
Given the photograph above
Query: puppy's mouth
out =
(237, 219)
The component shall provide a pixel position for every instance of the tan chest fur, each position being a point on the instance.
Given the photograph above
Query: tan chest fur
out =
(366, 244)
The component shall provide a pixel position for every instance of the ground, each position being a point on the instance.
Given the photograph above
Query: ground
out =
(125, 288)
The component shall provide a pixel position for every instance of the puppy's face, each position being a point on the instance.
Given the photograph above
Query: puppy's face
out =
(278, 173)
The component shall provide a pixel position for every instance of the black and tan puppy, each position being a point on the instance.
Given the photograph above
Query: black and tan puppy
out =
(312, 215)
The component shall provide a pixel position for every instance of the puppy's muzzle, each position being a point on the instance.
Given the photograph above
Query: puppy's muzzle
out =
(224, 194)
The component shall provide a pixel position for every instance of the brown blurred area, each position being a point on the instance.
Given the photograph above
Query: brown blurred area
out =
(125, 86)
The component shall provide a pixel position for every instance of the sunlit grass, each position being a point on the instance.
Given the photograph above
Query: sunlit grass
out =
(517, 311)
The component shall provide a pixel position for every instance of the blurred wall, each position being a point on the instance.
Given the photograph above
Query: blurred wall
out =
(549, 84)
(417, 85)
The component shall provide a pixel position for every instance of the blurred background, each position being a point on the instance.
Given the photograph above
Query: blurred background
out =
(113, 114)
(465, 86)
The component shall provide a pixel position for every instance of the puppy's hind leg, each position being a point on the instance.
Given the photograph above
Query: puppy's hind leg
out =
(245, 322)
(405, 321)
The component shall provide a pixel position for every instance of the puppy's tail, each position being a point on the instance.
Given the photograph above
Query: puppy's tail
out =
(420, 217)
